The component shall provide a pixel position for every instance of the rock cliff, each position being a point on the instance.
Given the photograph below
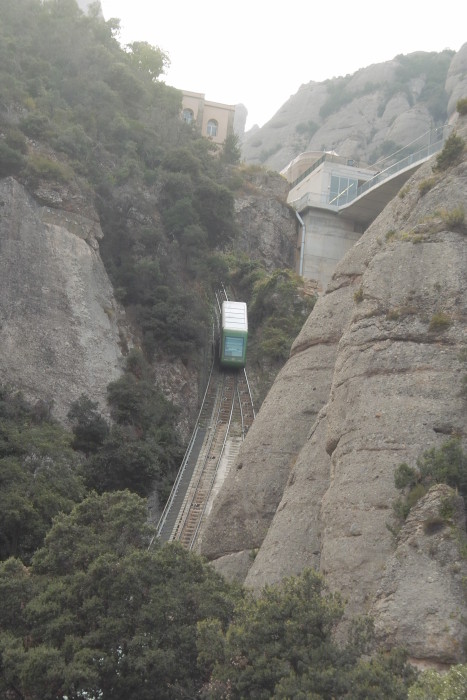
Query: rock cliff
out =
(267, 225)
(364, 116)
(373, 380)
(62, 332)
(59, 334)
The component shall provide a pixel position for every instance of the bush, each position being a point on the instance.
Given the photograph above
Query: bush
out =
(307, 129)
(432, 685)
(11, 161)
(281, 645)
(405, 476)
(40, 167)
(278, 309)
(358, 295)
(36, 126)
(439, 322)
(451, 153)
(89, 427)
(426, 185)
(39, 474)
(446, 465)
(455, 218)
(461, 106)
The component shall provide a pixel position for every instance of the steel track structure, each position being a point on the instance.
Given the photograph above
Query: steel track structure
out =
(226, 414)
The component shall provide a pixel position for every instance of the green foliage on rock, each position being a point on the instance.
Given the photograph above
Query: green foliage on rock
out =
(140, 450)
(281, 645)
(89, 428)
(445, 465)
(277, 306)
(451, 153)
(231, 151)
(432, 685)
(39, 474)
(278, 310)
(11, 161)
(101, 615)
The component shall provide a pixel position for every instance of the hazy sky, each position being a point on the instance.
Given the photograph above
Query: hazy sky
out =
(259, 52)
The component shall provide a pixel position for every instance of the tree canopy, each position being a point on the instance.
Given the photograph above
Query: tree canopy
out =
(282, 645)
(101, 615)
(39, 474)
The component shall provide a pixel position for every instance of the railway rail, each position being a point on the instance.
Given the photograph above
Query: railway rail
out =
(224, 419)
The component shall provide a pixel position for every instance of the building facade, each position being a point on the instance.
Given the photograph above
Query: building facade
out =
(215, 120)
(321, 183)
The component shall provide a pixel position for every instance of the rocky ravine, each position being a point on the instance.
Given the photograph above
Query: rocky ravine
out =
(372, 381)
(62, 333)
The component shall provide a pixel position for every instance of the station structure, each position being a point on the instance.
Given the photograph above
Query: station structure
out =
(336, 199)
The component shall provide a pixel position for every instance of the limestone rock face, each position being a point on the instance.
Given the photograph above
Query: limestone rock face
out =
(359, 116)
(373, 380)
(59, 336)
(268, 227)
(426, 618)
(456, 83)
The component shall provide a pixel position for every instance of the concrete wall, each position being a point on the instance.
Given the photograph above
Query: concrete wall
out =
(328, 237)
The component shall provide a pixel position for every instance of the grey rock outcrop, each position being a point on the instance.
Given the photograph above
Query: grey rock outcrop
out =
(427, 618)
(373, 380)
(456, 82)
(59, 334)
(364, 116)
(240, 117)
(267, 225)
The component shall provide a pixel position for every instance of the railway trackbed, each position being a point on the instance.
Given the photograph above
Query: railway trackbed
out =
(226, 414)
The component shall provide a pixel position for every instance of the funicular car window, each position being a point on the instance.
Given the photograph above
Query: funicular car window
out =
(233, 347)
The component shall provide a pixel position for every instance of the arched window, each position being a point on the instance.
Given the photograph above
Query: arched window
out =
(188, 116)
(211, 129)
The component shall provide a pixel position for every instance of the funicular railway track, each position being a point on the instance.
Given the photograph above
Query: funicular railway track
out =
(225, 416)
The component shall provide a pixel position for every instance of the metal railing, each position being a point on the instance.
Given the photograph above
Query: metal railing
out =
(437, 137)
(412, 159)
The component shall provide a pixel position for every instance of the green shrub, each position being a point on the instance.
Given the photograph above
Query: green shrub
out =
(39, 167)
(401, 509)
(451, 153)
(358, 295)
(447, 508)
(89, 428)
(11, 161)
(432, 685)
(39, 474)
(405, 476)
(415, 494)
(142, 450)
(36, 125)
(426, 185)
(461, 106)
(281, 644)
(439, 322)
(446, 465)
(455, 218)
(16, 140)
